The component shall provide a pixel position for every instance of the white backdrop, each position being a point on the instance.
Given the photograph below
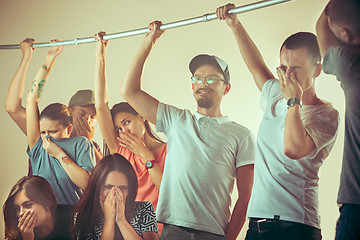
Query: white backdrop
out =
(166, 74)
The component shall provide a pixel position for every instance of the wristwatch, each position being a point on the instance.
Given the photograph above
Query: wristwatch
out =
(149, 164)
(292, 101)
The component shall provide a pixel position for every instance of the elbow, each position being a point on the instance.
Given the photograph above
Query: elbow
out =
(129, 93)
(124, 93)
(85, 183)
(10, 109)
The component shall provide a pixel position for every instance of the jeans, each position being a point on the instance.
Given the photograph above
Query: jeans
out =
(348, 224)
(297, 231)
(172, 232)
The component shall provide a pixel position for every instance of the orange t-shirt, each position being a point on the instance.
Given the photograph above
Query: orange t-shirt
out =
(146, 187)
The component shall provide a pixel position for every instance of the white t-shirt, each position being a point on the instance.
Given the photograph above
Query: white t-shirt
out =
(200, 168)
(283, 186)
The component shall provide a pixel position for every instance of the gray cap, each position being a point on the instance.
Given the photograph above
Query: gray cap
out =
(217, 62)
(82, 98)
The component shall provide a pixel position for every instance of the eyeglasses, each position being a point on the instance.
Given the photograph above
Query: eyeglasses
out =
(209, 79)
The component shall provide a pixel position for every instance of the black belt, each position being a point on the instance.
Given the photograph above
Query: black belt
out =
(266, 225)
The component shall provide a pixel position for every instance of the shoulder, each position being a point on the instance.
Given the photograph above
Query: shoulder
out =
(143, 208)
(325, 109)
(72, 140)
(341, 56)
(169, 109)
(81, 139)
(238, 129)
(324, 118)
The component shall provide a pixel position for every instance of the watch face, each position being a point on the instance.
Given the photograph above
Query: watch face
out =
(148, 164)
(291, 102)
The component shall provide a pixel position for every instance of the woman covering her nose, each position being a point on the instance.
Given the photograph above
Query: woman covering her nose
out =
(129, 134)
(31, 212)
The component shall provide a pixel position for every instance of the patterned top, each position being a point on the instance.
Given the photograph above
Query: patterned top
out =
(142, 220)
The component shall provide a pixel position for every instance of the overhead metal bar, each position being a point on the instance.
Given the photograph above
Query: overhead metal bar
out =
(204, 18)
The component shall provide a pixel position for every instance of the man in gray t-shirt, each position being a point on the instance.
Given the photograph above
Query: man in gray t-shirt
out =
(206, 152)
(338, 30)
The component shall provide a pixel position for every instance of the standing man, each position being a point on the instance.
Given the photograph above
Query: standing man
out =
(338, 30)
(82, 103)
(206, 152)
(296, 134)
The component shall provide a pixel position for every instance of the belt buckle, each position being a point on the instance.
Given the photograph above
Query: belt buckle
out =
(259, 222)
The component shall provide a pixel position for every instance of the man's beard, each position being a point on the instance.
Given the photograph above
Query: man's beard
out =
(205, 103)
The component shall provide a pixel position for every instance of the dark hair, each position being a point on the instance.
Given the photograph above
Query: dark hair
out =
(87, 212)
(304, 39)
(38, 190)
(125, 107)
(345, 12)
(59, 112)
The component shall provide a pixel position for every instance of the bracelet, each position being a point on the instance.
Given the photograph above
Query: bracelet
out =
(45, 68)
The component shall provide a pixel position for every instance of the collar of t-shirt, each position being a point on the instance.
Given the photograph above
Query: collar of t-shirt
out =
(219, 120)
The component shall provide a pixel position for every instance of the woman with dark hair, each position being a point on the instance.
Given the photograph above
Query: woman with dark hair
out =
(31, 212)
(63, 161)
(129, 134)
(108, 210)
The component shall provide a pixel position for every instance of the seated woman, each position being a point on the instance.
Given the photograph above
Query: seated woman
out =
(31, 212)
(129, 134)
(63, 161)
(108, 210)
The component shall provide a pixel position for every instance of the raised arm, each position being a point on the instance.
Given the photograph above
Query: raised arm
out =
(101, 96)
(250, 53)
(34, 94)
(130, 88)
(324, 35)
(16, 89)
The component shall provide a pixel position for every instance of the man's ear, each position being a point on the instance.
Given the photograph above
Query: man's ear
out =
(317, 70)
(192, 86)
(227, 89)
(346, 35)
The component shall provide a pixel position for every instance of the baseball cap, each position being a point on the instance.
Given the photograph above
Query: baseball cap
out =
(217, 62)
(82, 98)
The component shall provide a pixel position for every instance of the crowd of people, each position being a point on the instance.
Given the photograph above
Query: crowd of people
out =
(140, 187)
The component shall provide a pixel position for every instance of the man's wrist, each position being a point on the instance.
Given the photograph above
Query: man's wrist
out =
(294, 101)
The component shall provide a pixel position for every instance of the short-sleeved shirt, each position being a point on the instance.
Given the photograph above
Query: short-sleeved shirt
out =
(78, 149)
(203, 154)
(284, 186)
(142, 220)
(345, 65)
